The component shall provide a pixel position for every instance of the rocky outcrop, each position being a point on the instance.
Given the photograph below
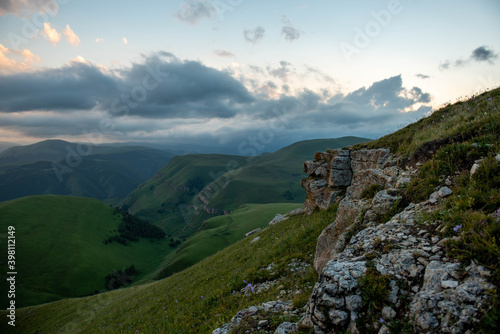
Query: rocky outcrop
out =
(332, 172)
(349, 172)
(424, 288)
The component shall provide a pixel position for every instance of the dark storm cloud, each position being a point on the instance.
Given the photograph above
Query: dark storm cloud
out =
(254, 35)
(192, 11)
(74, 87)
(184, 89)
(161, 87)
(479, 54)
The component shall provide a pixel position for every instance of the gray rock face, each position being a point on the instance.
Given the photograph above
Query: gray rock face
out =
(326, 248)
(369, 159)
(287, 327)
(272, 307)
(330, 173)
(424, 283)
(340, 169)
(323, 192)
(383, 202)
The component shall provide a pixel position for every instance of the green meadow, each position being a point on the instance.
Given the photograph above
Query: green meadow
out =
(60, 250)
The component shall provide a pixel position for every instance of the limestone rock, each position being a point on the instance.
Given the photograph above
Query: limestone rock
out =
(287, 327)
(369, 159)
(364, 179)
(347, 211)
(278, 218)
(384, 201)
(444, 192)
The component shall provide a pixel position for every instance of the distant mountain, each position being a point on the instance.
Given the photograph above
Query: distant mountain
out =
(5, 145)
(60, 249)
(54, 150)
(56, 167)
(193, 188)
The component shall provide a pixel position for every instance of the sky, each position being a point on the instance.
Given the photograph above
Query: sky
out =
(237, 76)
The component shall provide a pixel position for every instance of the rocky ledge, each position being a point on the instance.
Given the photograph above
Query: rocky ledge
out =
(426, 291)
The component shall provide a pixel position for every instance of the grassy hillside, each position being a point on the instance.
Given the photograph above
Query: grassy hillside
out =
(110, 175)
(196, 300)
(161, 198)
(60, 251)
(468, 119)
(171, 195)
(219, 232)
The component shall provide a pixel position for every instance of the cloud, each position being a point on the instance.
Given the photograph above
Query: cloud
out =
(319, 74)
(161, 87)
(223, 53)
(479, 54)
(51, 34)
(77, 86)
(288, 31)
(192, 11)
(99, 40)
(482, 53)
(254, 35)
(79, 59)
(24, 8)
(163, 98)
(71, 37)
(124, 40)
(282, 72)
(422, 76)
(16, 61)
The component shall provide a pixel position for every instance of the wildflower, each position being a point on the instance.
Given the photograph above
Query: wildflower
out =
(458, 227)
(251, 287)
(202, 298)
(234, 292)
(244, 281)
(382, 320)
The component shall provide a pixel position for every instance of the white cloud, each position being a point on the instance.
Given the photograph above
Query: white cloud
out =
(124, 40)
(79, 59)
(99, 40)
(71, 36)
(51, 34)
(16, 61)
